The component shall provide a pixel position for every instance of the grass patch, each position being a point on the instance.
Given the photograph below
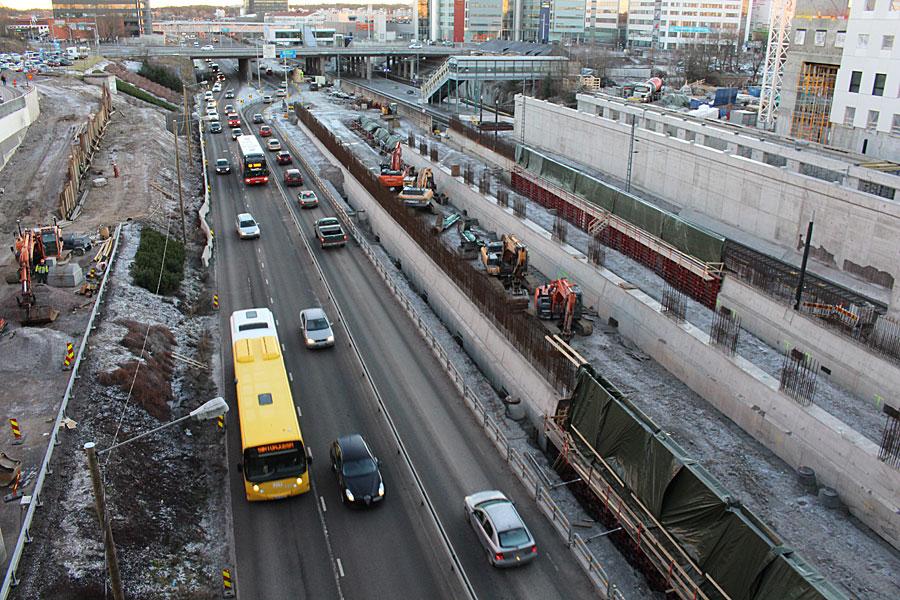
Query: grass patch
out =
(127, 88)
(149, 257)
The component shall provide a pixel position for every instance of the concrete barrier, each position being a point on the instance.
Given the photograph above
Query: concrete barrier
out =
(850, 363)
(801, 436)
(15, 117)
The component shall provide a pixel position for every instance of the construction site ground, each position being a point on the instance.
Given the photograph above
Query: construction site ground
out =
(171, 537)
(830, 539)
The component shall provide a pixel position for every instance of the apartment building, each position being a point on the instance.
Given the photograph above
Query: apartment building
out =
(131, 17)
(865, 112)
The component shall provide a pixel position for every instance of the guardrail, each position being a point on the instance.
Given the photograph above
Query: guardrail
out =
(204, 209)
(529, 478)
(10, 580)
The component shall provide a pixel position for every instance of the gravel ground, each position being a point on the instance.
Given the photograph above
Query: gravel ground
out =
(832, 541)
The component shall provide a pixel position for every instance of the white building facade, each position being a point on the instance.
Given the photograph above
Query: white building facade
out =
(865, 113)
(672, 24)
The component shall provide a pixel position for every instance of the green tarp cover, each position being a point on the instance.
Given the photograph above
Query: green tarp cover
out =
(687, 238)
(727, 541)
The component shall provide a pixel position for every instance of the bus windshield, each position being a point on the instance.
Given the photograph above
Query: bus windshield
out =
(274, 465)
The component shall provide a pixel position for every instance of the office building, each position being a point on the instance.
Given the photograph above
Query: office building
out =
(113, 17)
(865, 112)
(261, 7)
(678, 23)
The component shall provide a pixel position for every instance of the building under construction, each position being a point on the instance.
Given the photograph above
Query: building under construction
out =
(817, 38)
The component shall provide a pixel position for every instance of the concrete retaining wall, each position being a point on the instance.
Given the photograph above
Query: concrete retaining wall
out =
(15, 117)
(733, 186)
(498, 359)
(851, 364)
(801, 436)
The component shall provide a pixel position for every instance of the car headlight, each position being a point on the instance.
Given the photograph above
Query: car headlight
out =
(381, 489)
(329, 339)
(256, 487)
(310, 342)
(349, 495)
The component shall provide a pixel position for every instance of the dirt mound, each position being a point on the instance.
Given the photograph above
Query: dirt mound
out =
(149, 377)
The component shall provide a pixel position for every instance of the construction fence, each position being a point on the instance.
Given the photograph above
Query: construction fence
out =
(523, 331)
(84, 145)
(700, 540)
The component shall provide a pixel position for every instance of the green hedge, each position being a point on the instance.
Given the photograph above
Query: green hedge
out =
(127, 88)
(149, 257)
(162, 75)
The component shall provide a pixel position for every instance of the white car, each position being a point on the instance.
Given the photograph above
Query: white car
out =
(415, 46)
(211, 106)
(208, 95)
(316, 328)
(247, 227)
(207, 47)
(212, 115)
(281, 93)
(267, 99)
(217, 87)
(273, 145)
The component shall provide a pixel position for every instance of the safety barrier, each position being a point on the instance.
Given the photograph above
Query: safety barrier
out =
(204, 209)
(10, 580)
(529, 478)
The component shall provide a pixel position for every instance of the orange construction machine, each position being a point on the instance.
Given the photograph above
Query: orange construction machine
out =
(561, 299)
(32, 246)
(393, 174)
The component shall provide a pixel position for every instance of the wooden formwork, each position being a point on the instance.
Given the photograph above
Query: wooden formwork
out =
(85, 144)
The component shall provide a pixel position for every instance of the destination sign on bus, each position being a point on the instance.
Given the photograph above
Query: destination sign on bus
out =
(279, 447)
(255, 165)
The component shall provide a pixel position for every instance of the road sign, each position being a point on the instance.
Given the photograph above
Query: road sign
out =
(288, 54)
(269, 51)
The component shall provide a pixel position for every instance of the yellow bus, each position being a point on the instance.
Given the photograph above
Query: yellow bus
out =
(274, 462)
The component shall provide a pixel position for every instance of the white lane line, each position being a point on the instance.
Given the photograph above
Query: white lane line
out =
(340, 567)
(276, 323)
(283, 349)
(324, 508)
(267, 283)
(299, 412)
(262, 264)
(291, 376)
(271, 300)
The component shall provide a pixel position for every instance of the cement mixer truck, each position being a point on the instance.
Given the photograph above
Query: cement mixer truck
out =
(648, 91)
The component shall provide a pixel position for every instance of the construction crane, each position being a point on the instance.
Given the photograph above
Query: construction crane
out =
(561, 299)
(780, 15)
(31, 247)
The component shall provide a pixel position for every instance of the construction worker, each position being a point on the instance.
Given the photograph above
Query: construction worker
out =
(3, 79)
(42, 270)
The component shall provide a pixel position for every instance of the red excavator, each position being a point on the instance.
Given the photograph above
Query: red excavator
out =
(31, 247)
(561, 299)
(392, 175)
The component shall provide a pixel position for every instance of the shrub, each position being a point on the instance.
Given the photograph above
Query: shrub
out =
(145, 270)
(161, 75)
(127, 88)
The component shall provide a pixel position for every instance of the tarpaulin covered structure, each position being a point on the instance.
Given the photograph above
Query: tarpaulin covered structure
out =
(729, 544)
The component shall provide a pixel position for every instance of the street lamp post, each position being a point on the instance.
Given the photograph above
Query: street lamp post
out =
(209, 410)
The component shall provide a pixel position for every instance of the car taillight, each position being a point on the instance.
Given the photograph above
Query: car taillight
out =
(498, 556)
(345, 237)
(534, 549)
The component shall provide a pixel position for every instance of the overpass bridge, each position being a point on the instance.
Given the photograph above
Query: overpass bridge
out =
(248, 52)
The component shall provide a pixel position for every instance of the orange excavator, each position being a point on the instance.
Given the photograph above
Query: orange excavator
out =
(393, 174)
(561, 299)
(31, 247)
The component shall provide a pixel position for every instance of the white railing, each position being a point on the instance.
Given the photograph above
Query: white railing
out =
(435, 80)
(10, 580)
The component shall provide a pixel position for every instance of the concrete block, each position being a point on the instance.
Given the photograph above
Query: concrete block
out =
(68, 275)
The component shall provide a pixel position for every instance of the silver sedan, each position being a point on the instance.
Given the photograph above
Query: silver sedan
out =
(500, 529)
(316, 328)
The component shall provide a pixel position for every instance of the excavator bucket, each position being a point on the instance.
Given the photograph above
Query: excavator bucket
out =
(40, 315)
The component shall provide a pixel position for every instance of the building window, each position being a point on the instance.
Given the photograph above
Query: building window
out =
(839, 39)
(849, 115)
(800, 37)
(887, 42)
(855, 79)
(862, 41)
(820, 37)
(878, 86)
(895, 125)
(872, 121)
(870, 5)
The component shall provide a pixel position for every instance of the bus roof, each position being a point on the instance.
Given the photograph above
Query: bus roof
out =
(265, 406)
(249, 145)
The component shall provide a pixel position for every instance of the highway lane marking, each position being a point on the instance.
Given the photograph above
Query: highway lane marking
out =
(325, 509)
(299, 412)
(267, 283)
(291, 377)
(262, 264)
(276, 323)
(283, 349)
(340, 567)
(271, 300)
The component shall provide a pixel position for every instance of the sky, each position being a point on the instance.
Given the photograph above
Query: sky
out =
(30, 4)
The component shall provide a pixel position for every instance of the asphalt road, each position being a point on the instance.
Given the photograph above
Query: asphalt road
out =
(312, 546)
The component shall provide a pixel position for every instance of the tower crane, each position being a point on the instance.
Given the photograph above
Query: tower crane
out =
(780, 16)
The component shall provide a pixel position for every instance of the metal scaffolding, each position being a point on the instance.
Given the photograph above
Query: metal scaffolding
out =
(815, 92)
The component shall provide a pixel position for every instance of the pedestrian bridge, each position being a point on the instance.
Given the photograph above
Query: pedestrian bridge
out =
(468, 73)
